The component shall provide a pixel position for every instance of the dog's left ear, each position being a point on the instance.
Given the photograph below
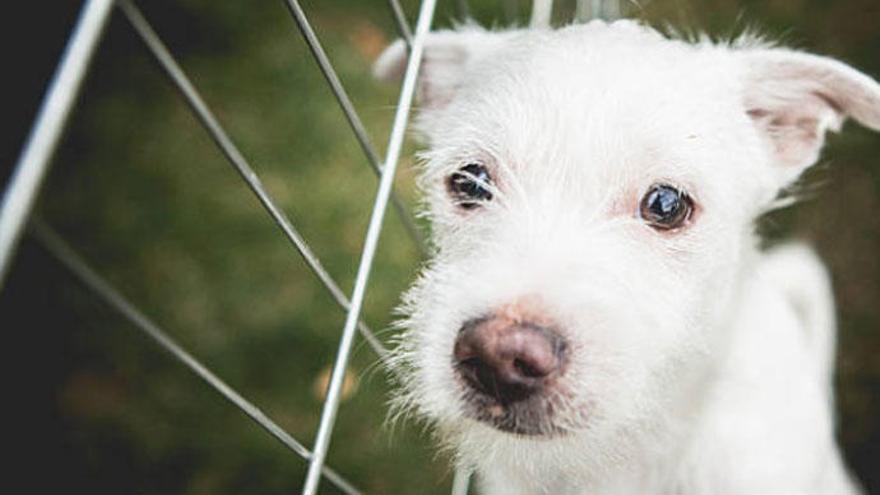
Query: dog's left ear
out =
(449, 56)
(794, 98)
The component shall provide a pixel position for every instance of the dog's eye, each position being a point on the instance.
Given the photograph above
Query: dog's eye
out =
(469, 186)
(665, 207)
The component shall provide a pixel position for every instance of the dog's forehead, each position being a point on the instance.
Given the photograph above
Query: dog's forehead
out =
(596, 64)
(589, 91)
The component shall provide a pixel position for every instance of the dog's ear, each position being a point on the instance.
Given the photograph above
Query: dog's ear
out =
(794, 98)
(447, 57)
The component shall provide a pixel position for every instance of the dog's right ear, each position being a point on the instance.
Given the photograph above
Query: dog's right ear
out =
(447, 57)
(794, 98)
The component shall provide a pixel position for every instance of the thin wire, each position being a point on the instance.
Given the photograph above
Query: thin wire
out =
(461, 481)
(542, 12)
(511, 10)
(81, 270)
(585, 10)
(395, 144)
(351, 114)
(206, 117)
(464, 10)
(608, 10)
(402, 23)
(612, 10)
(47, 129)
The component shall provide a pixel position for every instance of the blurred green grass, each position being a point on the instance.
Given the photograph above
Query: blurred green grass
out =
(139, 188)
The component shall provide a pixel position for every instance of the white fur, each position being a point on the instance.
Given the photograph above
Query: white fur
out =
(699, 365)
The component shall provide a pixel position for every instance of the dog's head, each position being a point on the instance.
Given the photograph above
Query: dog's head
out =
(592, 192)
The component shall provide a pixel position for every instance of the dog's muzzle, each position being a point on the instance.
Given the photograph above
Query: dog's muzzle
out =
(510, 369)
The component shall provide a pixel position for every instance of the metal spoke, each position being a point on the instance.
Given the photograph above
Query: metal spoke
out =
(511, 10)
(402, 23)
(351, 114)
(461, 481)
(73, 262)
(611, 10)
(542, 12)
(596, 9)
(585, 10)
(395, 144)
(464, 10)
(46, 132)
(209, 121)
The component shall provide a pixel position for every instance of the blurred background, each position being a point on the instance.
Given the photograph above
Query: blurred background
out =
(140, 190)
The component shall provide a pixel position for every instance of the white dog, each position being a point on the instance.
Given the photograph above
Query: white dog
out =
(597, 317)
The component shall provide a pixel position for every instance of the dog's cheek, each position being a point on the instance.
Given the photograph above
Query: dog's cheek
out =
(683, 301)
(433, 313)
(652, 329)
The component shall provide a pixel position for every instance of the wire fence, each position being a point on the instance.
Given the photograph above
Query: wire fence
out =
(32, 167)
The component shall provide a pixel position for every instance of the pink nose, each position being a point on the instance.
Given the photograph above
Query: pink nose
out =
(507, 360)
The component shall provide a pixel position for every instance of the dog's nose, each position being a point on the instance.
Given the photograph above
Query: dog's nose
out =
(508, 360)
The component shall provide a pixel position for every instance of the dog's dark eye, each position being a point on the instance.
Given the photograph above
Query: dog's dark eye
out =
(665, 207)
(469, 186)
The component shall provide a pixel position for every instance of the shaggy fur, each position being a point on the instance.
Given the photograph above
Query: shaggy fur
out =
(697, 363)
